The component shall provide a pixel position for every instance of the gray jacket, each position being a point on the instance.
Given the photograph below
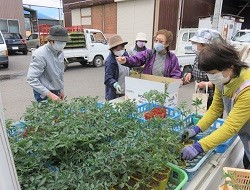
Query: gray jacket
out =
(46, 70)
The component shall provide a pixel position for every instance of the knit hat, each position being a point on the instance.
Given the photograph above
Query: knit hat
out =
(206, 36)
(58, 33)
(116, 40)
(141, 37)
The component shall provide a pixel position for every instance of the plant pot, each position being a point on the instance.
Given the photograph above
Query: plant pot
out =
(158, 182)
(196, 120)
(155, 112)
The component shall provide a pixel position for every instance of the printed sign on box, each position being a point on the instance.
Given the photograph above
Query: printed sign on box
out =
(137, 84)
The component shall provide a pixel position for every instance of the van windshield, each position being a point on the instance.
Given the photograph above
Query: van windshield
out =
(242, 37)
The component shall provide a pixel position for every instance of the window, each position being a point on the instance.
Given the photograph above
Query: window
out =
(12, 36)
(9, 25)
(33, 36)
(185, 37)
(98, 37)
(3, 25)
(13, 26)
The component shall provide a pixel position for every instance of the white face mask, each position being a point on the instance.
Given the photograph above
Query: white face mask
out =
(58, 46)
(195, 49)
(140, 44)
(119, 53)
(218, 78)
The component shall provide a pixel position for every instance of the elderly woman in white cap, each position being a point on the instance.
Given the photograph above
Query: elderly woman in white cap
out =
(115, 73)
(201, 38)
(46, 70)
(140, 44)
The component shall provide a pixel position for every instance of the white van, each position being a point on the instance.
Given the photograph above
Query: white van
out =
(4, 60)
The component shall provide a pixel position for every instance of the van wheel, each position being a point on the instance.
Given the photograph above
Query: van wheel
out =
(98, 61)
(5, 65)
(25, 52)
(65, 65)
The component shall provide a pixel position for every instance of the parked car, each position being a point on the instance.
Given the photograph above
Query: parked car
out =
(33, 41)
(4, 60)
(15, 42)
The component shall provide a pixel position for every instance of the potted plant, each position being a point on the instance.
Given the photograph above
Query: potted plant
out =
(156, 102)
(197, 105)
(182, 109)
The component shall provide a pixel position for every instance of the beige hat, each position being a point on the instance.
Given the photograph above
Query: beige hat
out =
(141, 37)
(116, 41)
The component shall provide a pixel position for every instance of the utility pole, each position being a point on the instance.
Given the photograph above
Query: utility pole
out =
(217, 14)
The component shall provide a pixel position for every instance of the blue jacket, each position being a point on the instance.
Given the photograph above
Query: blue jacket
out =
(111, 76)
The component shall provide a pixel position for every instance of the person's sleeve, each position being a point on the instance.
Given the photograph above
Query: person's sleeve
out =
(130, 51)
(62, 76)
(213, 113)
(109, 75)
(236, 119)
(138, 59)
(175, 68)
(35, 71)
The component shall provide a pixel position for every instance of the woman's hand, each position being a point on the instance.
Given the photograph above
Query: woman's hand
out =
(121, 60)
(202, 84)
(54, 97)
(187, 78)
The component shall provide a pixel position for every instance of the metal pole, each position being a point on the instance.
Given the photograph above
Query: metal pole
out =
(217, 14)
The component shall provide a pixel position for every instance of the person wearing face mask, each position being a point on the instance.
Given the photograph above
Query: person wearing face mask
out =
(159, 61)
(46, 70)
(115, 73)
(201, 38)
(231, 78)
(140, 44)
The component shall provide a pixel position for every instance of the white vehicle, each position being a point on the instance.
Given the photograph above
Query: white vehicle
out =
(87, 47)
(4, 60)
(183, 48)
(227, 27)
(241, 38)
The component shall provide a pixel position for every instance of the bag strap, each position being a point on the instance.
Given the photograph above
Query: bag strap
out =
(196, 87)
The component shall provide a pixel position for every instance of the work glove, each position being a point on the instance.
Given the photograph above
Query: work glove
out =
(189, 133)
(191, 152)
(118, 88)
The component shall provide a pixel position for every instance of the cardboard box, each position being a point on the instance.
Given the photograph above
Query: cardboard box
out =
(137, 84)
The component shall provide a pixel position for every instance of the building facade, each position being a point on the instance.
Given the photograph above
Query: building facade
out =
(127, 17)
(12, 16)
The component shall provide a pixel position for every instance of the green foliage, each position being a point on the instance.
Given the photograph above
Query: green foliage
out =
(156, 97)
(80, 145)
(197, 103)
(182, 108)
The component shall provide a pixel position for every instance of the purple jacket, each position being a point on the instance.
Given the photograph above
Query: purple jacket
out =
(147, 58)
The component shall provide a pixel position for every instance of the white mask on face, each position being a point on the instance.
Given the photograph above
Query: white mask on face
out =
(218, 78)
(194, 48)
(140, 44)
(58, 46)
(119, 53)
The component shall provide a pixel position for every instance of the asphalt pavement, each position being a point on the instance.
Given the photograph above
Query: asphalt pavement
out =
(79, 81)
